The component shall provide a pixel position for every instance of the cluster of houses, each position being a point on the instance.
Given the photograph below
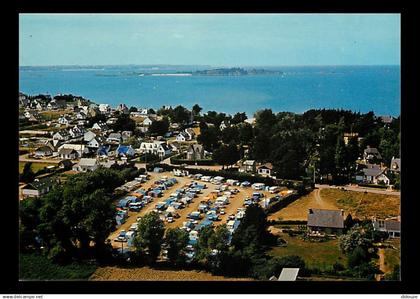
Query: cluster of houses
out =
(331, 222)
(372, 171)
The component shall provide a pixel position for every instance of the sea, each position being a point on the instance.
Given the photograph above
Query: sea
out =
(296, 89)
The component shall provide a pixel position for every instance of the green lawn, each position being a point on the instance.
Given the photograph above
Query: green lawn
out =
(316, 255)
(35, 166)
(38, 267)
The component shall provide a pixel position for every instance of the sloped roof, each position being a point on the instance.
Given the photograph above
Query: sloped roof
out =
(66, 151)
(325, 218)
(372, 171)
(87, 162)
(396, 164)
(288, 274)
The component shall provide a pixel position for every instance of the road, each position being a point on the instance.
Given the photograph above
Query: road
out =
(360, 189)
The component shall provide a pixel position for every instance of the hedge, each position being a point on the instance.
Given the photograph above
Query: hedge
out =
(176, 160)
(291, 184)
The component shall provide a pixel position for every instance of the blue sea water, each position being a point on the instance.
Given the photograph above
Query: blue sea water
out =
(357, 88)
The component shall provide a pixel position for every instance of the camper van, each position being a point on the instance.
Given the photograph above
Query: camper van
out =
(258, 186)
(274, 189)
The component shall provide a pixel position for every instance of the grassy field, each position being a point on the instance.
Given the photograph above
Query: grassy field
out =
(364, 205)
(298, 210)
(38, 267)
(145, 273)
(320, 255)
(359, 204)
(35, 166)
(392, 256)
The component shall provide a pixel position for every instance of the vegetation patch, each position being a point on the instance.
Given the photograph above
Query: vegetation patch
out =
(38, 267)
(319, 255)
(364, 205)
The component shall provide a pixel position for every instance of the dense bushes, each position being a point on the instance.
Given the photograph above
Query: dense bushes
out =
(180, 159)
(73, 216)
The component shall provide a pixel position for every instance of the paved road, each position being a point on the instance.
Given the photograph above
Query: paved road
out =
(360, 189)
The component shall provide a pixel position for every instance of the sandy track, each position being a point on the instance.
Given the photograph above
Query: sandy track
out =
(145, 273)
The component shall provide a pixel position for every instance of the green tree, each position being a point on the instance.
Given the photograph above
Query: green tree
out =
(159, 127)
(196, 109)
(239, 118)
(177, 239)
(246, 133)
(226, 155)
(209, 138)
(180, 115)
(124, 123)
(149, 238)
(27, 174)
(357, 236)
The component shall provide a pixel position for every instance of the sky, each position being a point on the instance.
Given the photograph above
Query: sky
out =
(209, 39)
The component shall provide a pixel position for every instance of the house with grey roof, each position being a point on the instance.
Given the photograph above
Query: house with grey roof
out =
(68, 153)
(390, 225)
(44, 151)
(114, 138)
(248, 166)
(371, 155)
(375, 176)
(395, 165)
(38, 187)
(326, 221)
(86, 164)
(195, 152)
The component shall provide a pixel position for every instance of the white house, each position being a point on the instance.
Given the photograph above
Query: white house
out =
(159, 148)
(182, 137)
(67, 153)
(61, 135)
(390, 225)
(86, 164)
(375, 176)
(265, 169)
(147, 121)
(64, 120)
(81, 149)
(100, 126)
(104, 108)
(76, 132)
(95, 142)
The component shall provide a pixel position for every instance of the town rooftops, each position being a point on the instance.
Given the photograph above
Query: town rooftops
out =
(249, 162)
(326, 218)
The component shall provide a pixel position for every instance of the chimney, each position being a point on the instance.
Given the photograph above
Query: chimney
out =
(342, 212)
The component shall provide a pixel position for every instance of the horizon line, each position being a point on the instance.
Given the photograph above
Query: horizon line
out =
(209, 65)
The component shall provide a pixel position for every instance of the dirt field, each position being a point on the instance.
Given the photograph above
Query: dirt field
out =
(359, 204)
(145, 273)
(364, 205)
(298, 210)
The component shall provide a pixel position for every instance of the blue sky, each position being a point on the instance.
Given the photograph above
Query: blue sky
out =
(212, 39)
